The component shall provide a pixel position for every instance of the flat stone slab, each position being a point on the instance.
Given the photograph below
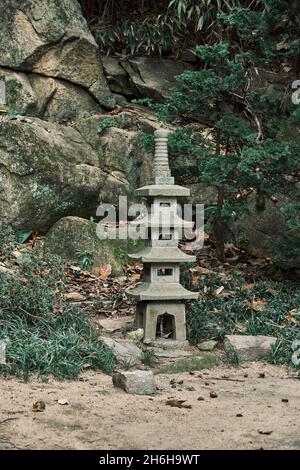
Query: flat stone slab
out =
(171, 353)
(125, 352)
(139, 382)
(249, 348)
(169, 344)
(115, 324)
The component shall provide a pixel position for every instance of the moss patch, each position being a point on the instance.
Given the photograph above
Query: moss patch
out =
(205, 360)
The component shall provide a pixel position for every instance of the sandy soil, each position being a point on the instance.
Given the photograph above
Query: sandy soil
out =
(101, 417)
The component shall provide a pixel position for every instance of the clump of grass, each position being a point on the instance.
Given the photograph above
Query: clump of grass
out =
(148, 357)
(233, 356)
(214, 316)
(45, 335)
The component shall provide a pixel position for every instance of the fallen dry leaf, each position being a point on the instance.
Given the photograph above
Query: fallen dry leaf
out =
(39, 406)
(281, 46)
(256, 305)
(178, 403)
(248, 286)
(105, 272)
(219, 290)
(135, 277)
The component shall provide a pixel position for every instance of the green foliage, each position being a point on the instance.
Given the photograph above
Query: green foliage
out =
(242, 152)
(106, 124)
(86, 259)
(232, 356)
(148, 357)
(146, 141)
(155, 27)
(45, 335)
(215, 316)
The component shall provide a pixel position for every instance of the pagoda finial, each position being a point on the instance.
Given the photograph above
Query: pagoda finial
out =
(161, 170)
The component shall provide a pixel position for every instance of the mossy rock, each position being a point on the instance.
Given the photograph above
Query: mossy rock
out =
(72, 236)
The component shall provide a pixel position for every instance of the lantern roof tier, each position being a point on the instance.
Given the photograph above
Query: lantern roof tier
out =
(161, 291)
(162, 254)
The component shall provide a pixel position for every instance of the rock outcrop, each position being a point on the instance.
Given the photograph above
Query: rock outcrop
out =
(262, 231)
(149, 77)
(48, 171)
(51, 38)
(72, 236)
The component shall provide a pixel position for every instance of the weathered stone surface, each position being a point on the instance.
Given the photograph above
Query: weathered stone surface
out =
(116, 75)
(260, 228)
(72, 235)
(136, 335)
(111, 325)
(59, 100)
(153, 77)
(120, 100)
(52, 39)
(125, 352)
(139, 382)
(19, 94)
(169, 344)
(118, 147)
(198, 361)
(47, 98)
(249, 348)
(207, 345)
(171, 353)
(47, 171)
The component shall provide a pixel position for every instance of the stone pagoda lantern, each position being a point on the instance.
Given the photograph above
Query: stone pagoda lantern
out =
(160, 308)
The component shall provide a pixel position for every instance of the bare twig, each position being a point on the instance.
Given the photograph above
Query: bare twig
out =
(226, 378)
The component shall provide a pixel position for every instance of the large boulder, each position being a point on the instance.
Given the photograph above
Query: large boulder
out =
(153, 77)
(72, 236)
(262, 230)
(59, 100)
(48, 171)
(19, 94)
(116, 76)
(47, 98)
(115, 139)
(51, 38)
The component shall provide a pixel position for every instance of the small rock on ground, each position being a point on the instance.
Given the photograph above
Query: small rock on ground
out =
(140, 382)
(207, 345)
(125, 352)
(249, 348)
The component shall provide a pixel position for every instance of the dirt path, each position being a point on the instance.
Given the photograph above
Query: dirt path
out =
(101, 417)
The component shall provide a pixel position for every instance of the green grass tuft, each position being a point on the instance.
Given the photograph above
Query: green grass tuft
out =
(214, 316)
(44, 334)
